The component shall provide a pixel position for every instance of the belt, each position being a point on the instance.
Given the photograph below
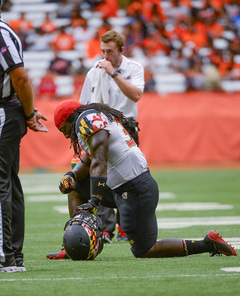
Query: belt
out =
(6, 100)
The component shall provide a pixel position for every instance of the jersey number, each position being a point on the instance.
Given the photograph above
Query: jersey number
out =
(130, 140)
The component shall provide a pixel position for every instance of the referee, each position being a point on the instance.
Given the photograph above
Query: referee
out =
(17, 111)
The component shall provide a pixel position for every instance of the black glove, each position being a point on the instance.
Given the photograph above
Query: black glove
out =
(91, 206)
(67, 184)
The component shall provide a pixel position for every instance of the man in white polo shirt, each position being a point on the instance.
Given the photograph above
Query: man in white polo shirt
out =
(117, 82)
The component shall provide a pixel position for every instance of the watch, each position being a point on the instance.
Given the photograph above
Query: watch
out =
(30, 116)
(115, 74)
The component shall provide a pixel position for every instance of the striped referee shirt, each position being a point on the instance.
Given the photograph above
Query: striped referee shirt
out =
(11, 57)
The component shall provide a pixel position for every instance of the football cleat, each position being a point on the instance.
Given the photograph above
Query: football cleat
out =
(107, 239)
(8, 266)
(20, 265)
(121, 236)
(220, 246)
(58, 255)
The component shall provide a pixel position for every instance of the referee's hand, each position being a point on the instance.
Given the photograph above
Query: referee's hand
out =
(35, 123)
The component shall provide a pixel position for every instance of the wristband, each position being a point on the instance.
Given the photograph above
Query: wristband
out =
(115, 74)
(30, 116)
(71, 173)
(98, 186)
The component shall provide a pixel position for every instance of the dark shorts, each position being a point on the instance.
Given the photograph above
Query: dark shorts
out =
(136, 201)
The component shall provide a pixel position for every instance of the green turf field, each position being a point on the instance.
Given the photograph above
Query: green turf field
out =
(191, 203)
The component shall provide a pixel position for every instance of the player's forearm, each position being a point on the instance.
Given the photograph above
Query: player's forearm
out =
(23, 87)
(129, 90)
(81, 169)
(98, 144)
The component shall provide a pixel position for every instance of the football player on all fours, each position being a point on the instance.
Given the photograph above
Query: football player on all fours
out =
(113, 171)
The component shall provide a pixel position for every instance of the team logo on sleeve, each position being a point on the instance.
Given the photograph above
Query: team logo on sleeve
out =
(91, 124)
(4, 49)
(125, 195)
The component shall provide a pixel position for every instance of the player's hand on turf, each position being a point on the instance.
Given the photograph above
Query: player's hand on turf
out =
(35, 124)
(87, 207)
(91, 206)
(67, 183)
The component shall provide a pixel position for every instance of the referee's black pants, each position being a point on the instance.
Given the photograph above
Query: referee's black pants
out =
(12, 129)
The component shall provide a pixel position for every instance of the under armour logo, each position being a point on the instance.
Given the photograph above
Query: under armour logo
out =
(101, 184)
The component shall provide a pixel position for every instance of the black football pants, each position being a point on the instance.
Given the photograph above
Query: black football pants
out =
(136, 201)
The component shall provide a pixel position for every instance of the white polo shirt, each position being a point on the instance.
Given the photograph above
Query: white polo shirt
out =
(130, 70)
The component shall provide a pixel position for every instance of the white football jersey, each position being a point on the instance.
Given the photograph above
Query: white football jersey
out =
(125, 159)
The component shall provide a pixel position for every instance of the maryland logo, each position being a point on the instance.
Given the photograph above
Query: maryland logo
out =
(98, 122)
(90, 124)
(93, 241)
(124, 195)
(86, 129)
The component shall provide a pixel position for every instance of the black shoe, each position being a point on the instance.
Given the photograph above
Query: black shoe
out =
(20, 265)
(220, 246)
(9, 266)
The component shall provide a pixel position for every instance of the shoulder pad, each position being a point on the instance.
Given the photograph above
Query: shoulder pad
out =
(90, 122)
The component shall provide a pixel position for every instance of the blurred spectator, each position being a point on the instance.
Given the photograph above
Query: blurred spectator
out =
(229, 66)
(63, 40)
(180, 61)
(234, 45)
(178, 10)
(93, 47)
(38, 40)
(145, 9)
(21, 25)
(192, 32)
(83, 33)
(108, 8)
(134, 34)
(64, 9)
(47, 86)
(78, 67)
(208, 17)
(77, 19)
(150, 83)
(59, 65)
(156, 43)
(93, 3)
(106, 26)
(48, 25)
(212, 78)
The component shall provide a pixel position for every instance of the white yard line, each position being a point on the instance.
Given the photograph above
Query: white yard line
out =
(193, 206)
(36, 194)
(231, 269)
(121, 277)
(185, 206)
(47, 198)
